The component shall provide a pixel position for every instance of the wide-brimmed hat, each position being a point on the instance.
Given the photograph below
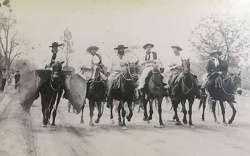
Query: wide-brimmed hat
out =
(121, 47)
(215, 51)
(177, 47)
(92, 47)
(55, 44)
(148, 44)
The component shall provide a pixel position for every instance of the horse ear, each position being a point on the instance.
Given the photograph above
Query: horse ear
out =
(62, 62)
(188, 59)
(239, 73)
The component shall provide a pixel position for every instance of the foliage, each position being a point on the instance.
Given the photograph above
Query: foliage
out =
(68, 45)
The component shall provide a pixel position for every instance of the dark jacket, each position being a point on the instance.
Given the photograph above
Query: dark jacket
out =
(223, 66)
(154, 56)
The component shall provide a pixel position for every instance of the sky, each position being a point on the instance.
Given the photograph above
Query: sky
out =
(108, 23)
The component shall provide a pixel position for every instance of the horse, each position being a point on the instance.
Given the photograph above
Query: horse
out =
(51, 91)
(154, 91)
(186, 91)
(95, 94)
(125, 92)
(226, 91)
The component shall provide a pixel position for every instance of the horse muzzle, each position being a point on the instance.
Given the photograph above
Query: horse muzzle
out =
(239, 91)
(162, 70)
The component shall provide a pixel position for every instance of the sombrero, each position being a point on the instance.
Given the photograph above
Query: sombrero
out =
(92, 47)
(215, 51)
(55, 44)
(177, 47)
(148, 44)
(121, 47)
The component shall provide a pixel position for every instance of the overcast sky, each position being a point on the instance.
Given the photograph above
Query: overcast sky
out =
(107, 23)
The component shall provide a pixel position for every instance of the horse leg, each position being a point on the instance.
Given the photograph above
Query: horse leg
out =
(204, 99)
(69, 106)
(150, 109)
(119, 114)
(55, 110)
(160, 112)
(99, 107)
(123, 114)
(213, 109)
(110, 103)
(234, 112)
(190, 111)
(91, 112)
(82, 121)
(145, 118)
(130, 111)
(184, 110)
(175, 105)
(223, 112)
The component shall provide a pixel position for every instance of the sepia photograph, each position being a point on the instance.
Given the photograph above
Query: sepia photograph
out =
(124, 77)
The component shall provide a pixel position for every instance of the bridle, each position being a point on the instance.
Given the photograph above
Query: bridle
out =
(232, 83)
(132, 76)
(157, 87)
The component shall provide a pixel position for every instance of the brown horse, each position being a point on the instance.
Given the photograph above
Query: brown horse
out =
(186, 91)
(125, 93)
(226, 91)
(51, 91)
(95, 94)
(154, 90)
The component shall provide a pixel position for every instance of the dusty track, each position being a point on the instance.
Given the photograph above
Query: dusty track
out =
(69, 137)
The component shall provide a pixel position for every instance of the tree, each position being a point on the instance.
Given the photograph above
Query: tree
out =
(10, 46)
(220, 32)
(68, 45)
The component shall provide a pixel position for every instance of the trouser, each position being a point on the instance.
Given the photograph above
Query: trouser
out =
(3, 84)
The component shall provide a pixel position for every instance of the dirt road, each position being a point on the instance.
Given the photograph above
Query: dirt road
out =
(25, 135)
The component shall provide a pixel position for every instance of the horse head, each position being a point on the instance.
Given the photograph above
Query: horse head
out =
(95, 72)
(186, 65)
(56, 71)
(158, 67)
(236, 82)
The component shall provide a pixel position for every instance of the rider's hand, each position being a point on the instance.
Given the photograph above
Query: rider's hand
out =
(220, 72)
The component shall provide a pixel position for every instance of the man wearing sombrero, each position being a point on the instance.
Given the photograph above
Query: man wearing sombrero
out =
(54, 51)
(118, 64)
(147, 64)
(216, 70)
(175, 68)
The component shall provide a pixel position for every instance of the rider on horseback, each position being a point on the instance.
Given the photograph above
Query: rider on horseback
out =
(118, 65)
(175, 69)
(150, 57)
(216, 71)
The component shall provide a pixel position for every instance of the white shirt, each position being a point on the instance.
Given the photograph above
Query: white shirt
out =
(174, 61)
(117, 61)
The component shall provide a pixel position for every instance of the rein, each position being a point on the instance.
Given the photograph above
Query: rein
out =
(157, 87)
(222, 87)
(130, 75)
(188, 89)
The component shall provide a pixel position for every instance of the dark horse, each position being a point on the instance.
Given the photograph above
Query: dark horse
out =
(51, 91)
(226, 91)
(125, 93)
(154, 89)
(186, 91)
(95, 93)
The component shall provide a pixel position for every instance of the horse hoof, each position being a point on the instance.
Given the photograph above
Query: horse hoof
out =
(184, 121)
(192, 126)
(162, 125)
(124, 128)
(145, 118)
(230, 121)
(112, 121)
(120, 123)
(82, 122)
(150, 118)
(128, 118)
(225, 123)
(96, 121)
(215, 120)
(178, 123)
(203, 119)
(53, 124)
